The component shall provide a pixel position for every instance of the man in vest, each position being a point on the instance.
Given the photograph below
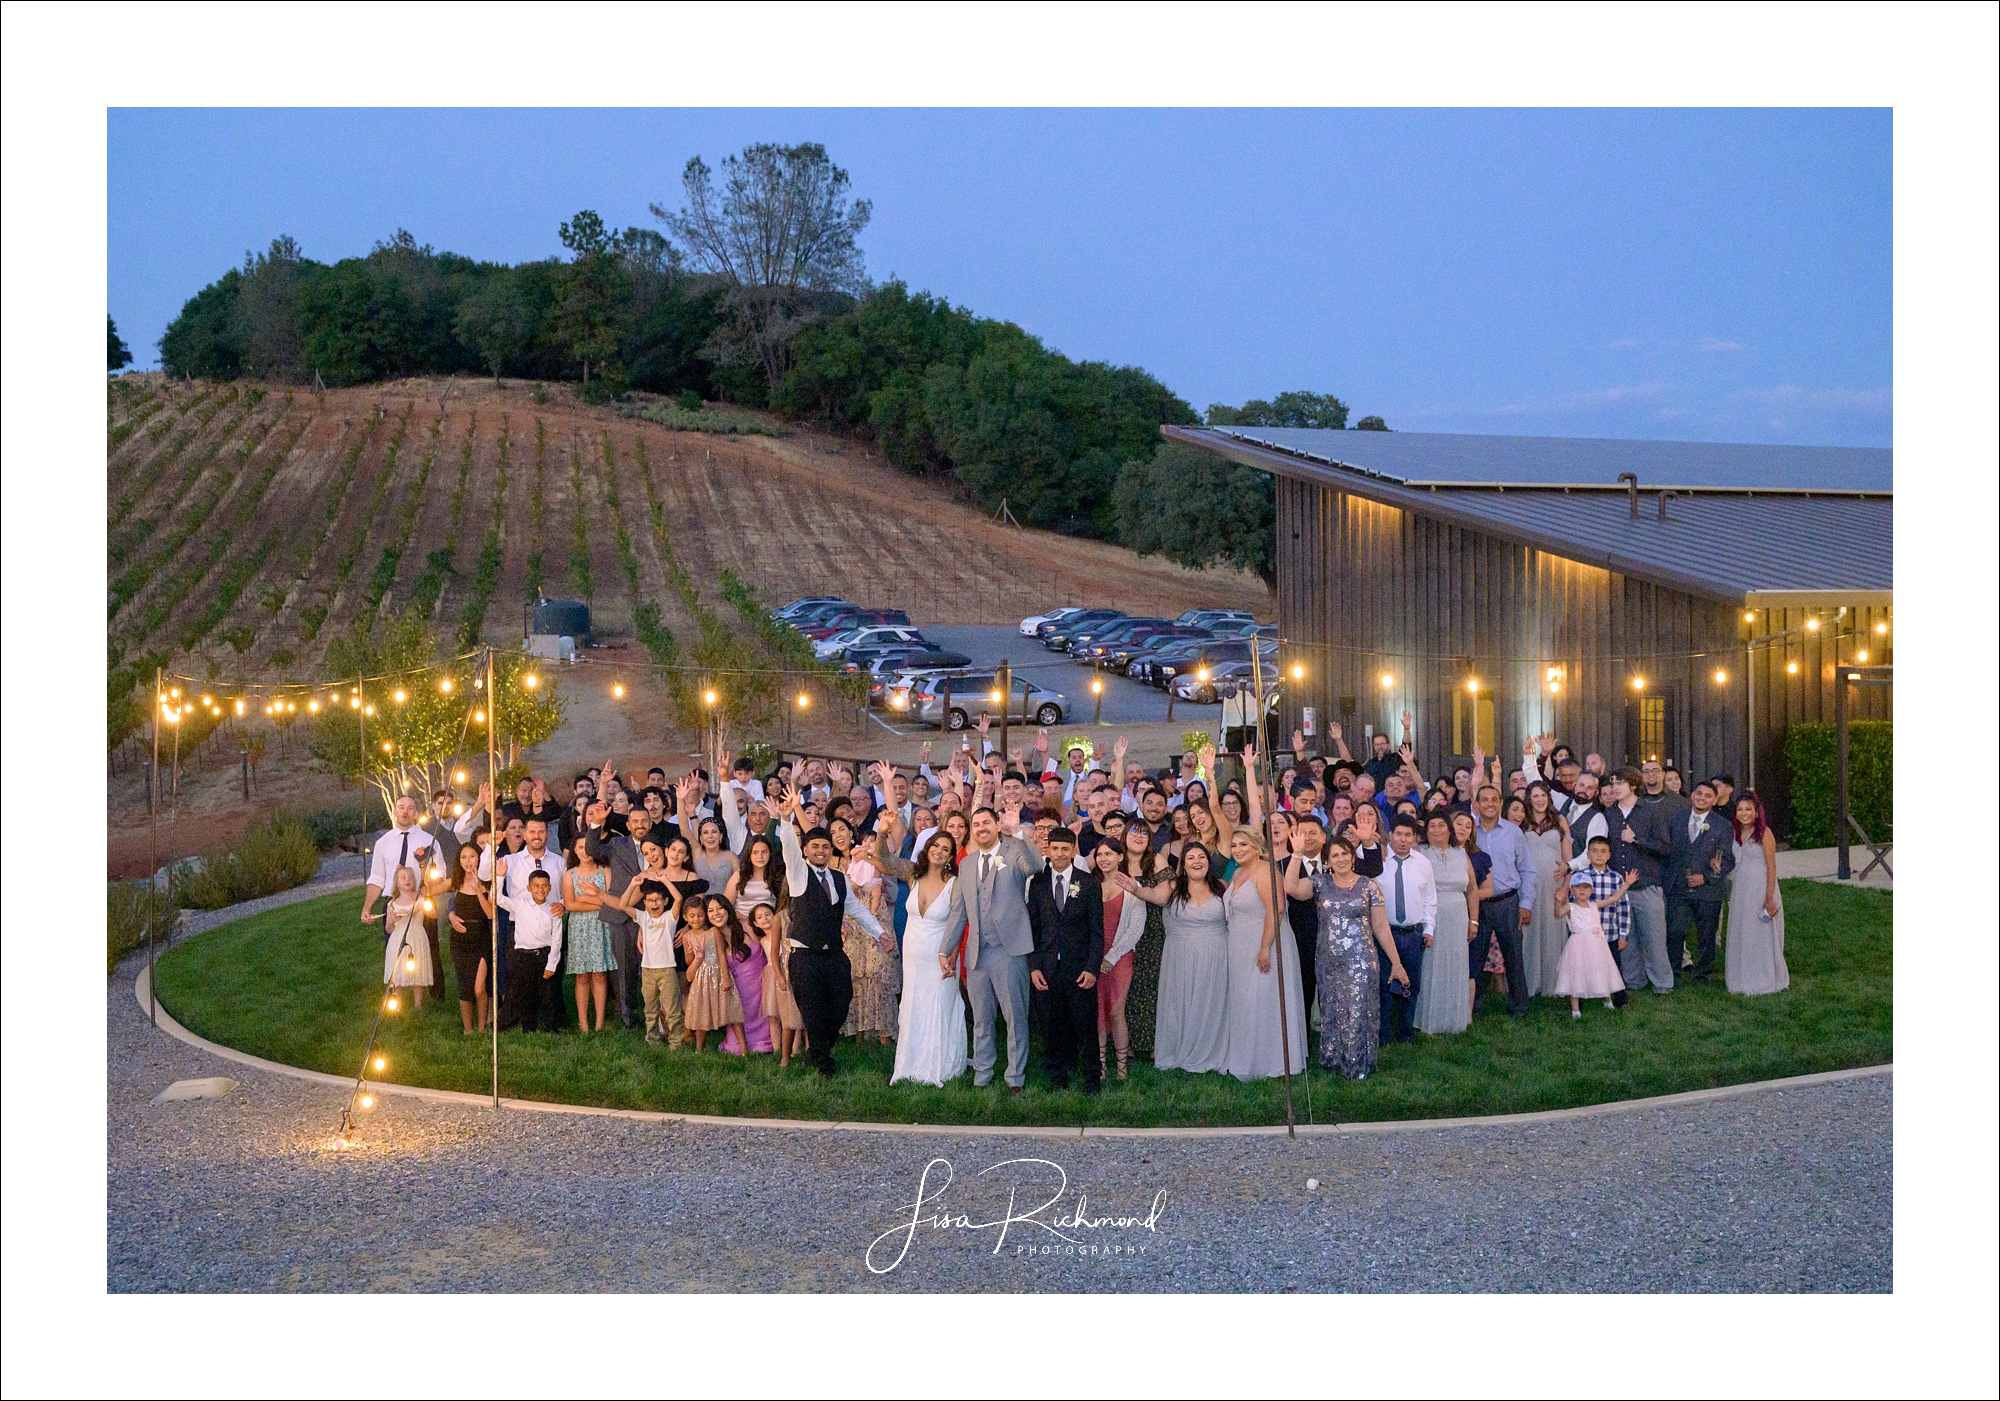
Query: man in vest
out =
(822, 978)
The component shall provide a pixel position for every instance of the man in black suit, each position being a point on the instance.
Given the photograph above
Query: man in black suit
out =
(1641, 837)
(1066, 911)
(1697, 879)
(618, 853)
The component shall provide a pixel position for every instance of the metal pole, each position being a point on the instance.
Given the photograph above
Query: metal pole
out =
(153, 853)
(493, 827)
(1006, 679)
(361, 717)
(1749, 713)
(1845, 870)
(1277, 905)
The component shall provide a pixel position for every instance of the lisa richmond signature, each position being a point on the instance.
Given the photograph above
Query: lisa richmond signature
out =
(1068, 1226)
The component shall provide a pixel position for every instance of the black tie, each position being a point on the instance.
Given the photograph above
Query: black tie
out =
(1062, 891)
(404, 859)
(826, 880)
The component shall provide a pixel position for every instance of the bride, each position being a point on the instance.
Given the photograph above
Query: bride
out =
(931, 1043)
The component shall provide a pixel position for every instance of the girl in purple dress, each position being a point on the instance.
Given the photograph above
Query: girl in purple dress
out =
(746, 961)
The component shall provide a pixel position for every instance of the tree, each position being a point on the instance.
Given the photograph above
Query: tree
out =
(1373, 424)
(781, 238)
(266, 314)
(121, 354)
(589, 293)
(1198, 509)
(494, 323)
(1296, 408)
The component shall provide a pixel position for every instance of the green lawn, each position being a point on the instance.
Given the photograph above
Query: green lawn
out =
(300, 984)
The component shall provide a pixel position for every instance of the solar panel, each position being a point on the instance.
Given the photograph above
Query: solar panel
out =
(1484, 460)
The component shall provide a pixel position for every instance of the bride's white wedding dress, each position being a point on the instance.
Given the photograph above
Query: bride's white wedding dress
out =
(932, 1045)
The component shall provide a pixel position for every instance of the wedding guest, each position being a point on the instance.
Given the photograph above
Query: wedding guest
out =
(788, 1028)
(1308, 841)
(532, 989)
(1465, 831)
(1548, 845)
(1365, 839)
(1610, 899)
(1444, 1001)
(471, 939)
(591, 957)
(1066, 913)
(817, 901)
(1192, 1029)
(1587, 968)
(1147, 865)
(1641, 836)
(1696, 878)
(1511, 907)
(746, 960)
(406, 961)
(620, 854)
(1263, 967)
(1353, 939)
(404, 845)
(656, 915)
(713, 1003)
(1124, 926)
(1753, 961)
(1409, 897)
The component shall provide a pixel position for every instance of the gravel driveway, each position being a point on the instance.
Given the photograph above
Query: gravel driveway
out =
(1777, 1191)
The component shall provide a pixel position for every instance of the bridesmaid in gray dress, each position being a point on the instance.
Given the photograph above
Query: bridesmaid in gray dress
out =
(1444, 992)
(1258, 1038)
(1549, 843)
(1753, 953)
(1353, 936)
(1191, 1032)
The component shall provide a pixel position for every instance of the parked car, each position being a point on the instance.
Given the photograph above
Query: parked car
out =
(1058, 637)
(1068, 626)
(887, 661)
(883, 615)
(1119, 656)
(1209, 617)
(800, 605)
(1221, 680)
(1030, 624)
(1236, 629)
(977, 693)
(1081, 643)
(835, 647)
(823, 613)
(896, 686)
(1162, 667)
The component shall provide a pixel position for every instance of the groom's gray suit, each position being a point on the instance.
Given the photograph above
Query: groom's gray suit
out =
(991, 898)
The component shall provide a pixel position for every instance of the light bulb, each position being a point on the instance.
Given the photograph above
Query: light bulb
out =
(429, 908)
(1298, 672)
(1097, 687)
(367, 710)
(478, 717)
(1792, 667)
(387, 746)
(208, 700)
(531, 681)
(1554, 687)
(1749, 617)
(409, 965)
(458, 776)
(392, 1004)
(313, 706)
(1862, 655)
(804, 700)
(175, 692)
(445, 685)
(381, 1064)
(368, 1101)
(354, 703)
(1387, 680)
(1881, 627)
(618, 689)
(400, 698)
(1638, 683)
(708, 698)
(1812, 624)
(1473, 684)
(458, 809)
(1722, 678)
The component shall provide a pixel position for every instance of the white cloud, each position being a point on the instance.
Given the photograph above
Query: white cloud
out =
(1873, 402)
(1712, 345)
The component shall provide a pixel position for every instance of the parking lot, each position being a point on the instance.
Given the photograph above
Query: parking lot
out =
(1125, 702)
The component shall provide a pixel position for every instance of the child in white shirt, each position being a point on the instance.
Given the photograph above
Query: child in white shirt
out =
(657, 914)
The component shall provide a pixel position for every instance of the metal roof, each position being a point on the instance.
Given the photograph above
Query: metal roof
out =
(1721, 545)
(1478, 459)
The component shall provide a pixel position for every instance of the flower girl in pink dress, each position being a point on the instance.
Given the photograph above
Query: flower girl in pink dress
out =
(1587, 968)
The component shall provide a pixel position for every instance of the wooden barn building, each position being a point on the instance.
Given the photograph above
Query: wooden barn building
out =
(1681, 600)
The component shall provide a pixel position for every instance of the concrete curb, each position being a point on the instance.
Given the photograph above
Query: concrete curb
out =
(1544, 1116)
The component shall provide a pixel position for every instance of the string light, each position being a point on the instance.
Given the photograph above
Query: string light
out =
(1881, 627)
(1387, 681)
(1638, 683)
(1722, 678)
(175, 693)
(386, 747)
(208, 700)
(1201, 675)
(1749, 617)
(392, 1004)
(313, 706)
(531, 681)
(367, 710)
(409, 965)
(805, 701)
(239, 703)
(708, 698)
(381, 1063)
(618, 690)
(1862, 655)
(1812, 624)
(368, 1101)
(445, 685)
(478, 717)
(1792, 668)
(355, 703)
(1298, 671)
(400, 698)
(1473, 685)
(458, 776)
(1097, 686)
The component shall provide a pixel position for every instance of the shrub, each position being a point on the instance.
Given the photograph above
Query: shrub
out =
(1809, 770)
(271, 856)
(130, 905)
(329, 826)
(689, 401)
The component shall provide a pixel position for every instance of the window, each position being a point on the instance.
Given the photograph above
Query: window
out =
(1652, 727)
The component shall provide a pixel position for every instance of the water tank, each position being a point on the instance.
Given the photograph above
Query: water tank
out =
(560, 617)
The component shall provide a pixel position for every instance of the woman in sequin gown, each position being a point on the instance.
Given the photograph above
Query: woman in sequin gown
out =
(1353, 938)
(1142, 1001)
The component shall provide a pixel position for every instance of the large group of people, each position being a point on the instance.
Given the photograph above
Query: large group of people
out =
(1212, 915)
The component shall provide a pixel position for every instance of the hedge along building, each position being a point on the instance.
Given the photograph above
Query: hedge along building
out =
(1685, 601)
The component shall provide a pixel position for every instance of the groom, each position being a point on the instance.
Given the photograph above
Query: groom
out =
(991, 898)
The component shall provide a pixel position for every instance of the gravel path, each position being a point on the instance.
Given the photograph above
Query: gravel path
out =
(1786, 1190)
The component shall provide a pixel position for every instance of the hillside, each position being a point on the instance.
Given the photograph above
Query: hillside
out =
(249, 525)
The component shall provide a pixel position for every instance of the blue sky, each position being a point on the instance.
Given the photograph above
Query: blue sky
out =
(1720, 275)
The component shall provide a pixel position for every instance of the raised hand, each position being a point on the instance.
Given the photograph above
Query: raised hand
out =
(1042, 742)
(985, 724)
(596, 813)
(925, 753)
(1408, 753)
(1206, 756)
(1249, 756)
(1408, 720)
(1118, 749)
(1298, 741)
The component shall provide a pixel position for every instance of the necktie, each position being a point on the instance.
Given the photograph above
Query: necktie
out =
(1399, 891)
(826, 881)
(404, 859)
(986, 866)
(1062, 891)
(1694, 826)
